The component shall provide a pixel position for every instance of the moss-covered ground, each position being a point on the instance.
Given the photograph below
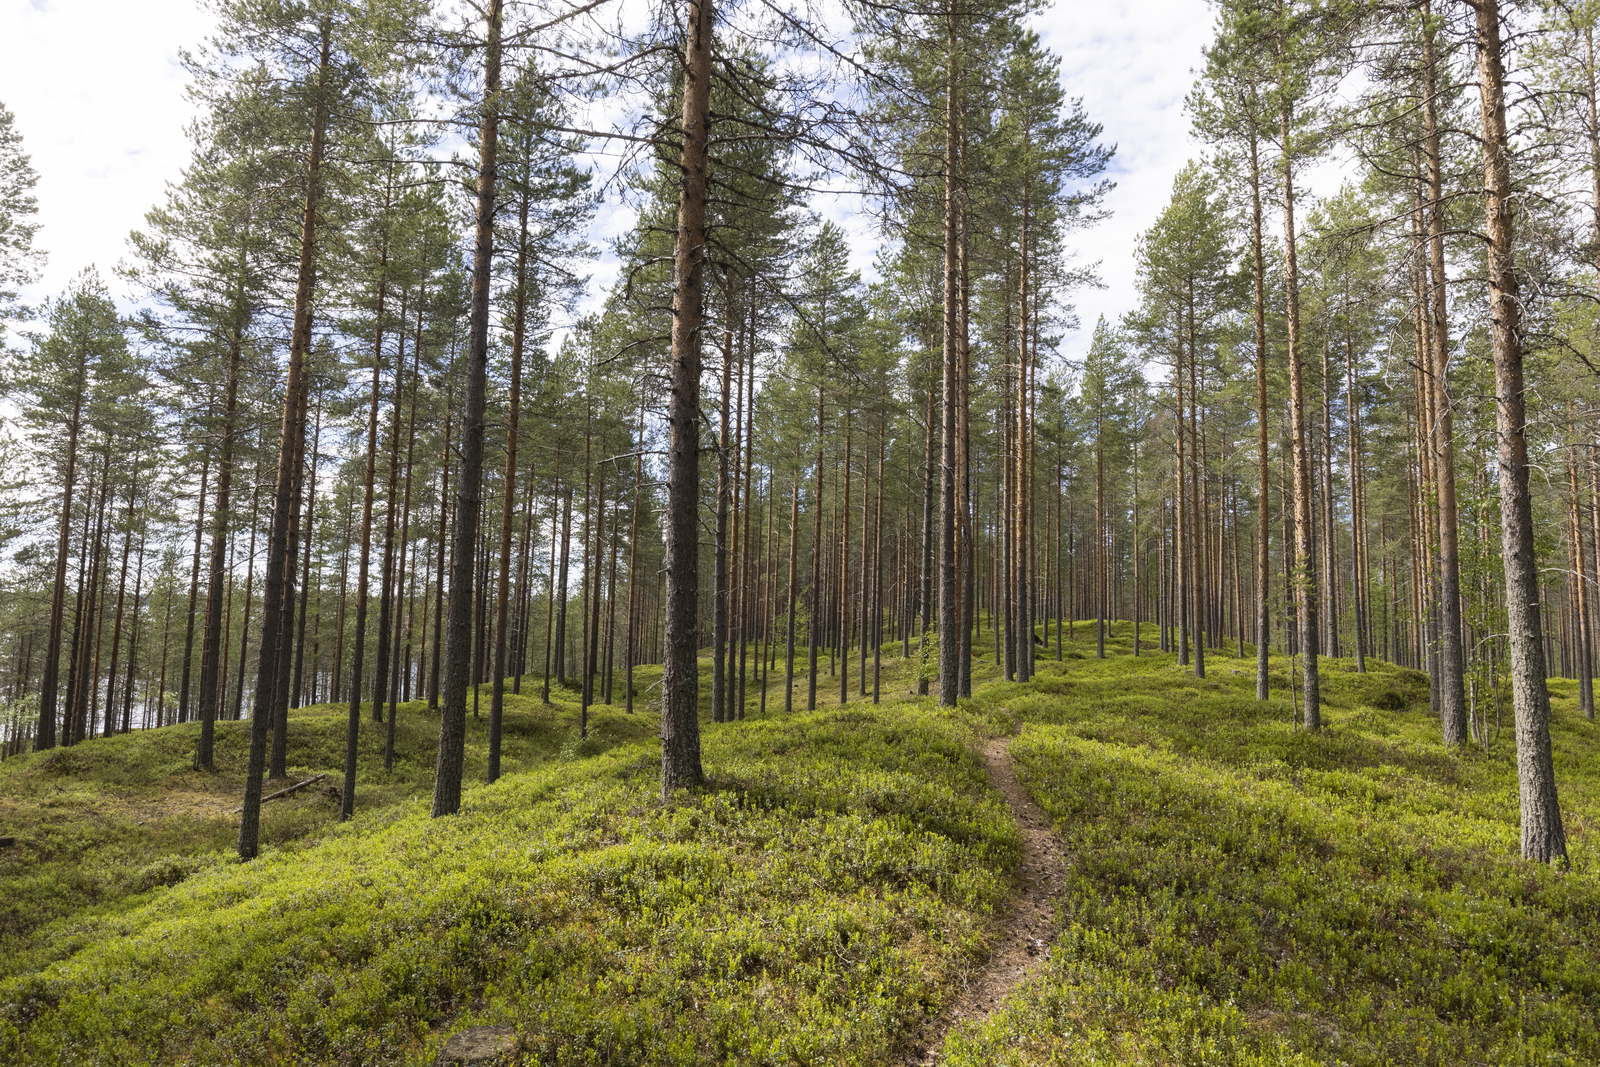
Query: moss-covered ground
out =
(1239, 892)
(1242, 892)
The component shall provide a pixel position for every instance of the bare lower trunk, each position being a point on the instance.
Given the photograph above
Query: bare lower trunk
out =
(794, 543)
(1305, 552)
(469, 482)
(1451, 682)
(290, 448)
(211, 643)
(680, 682)
(45, 735)
(1543, 837)
(949, 609)
(502, 608)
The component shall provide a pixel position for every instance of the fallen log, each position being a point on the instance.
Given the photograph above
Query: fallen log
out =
(285, 792)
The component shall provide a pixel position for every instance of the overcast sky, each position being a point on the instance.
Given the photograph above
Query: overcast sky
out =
(98, 94)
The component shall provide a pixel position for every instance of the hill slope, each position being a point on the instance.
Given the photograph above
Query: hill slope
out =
(1237, 892)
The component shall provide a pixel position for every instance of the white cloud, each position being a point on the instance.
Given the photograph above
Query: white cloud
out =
(97, 90)
(98, 94)
(1132, 63)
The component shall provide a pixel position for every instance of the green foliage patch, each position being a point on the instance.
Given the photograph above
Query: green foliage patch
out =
(809, 906)
(1242, 893)
(116, 816)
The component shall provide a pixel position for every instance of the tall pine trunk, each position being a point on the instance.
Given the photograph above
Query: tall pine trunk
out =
(680, 682)
(949, 608)
(1543, 837)
(45, 735)
(469, 482)
(1451, 660)
(211, 644)
(1305, 553)
(502, 607)
(278, 562)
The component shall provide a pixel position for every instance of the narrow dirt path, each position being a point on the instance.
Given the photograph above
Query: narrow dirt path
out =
(1029, 921)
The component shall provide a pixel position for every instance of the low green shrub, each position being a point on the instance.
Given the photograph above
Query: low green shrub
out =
(1241, 892)
(811, 905)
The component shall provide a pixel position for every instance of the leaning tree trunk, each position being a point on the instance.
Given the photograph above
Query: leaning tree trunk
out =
(680, 679)
(1543, 837)
(458, 649)
(278, 562)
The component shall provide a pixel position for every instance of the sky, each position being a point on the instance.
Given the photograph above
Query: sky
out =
(98, 93)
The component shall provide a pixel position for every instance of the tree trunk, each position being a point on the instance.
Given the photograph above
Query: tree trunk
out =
(400, 665)
(814, 623)
(719, 576)
(249, 591)
(794, 563)
(116, 627)
(508, 498)
(387, 575)
(45, 736)
(680, 682)
(211, 645)
(293, 429)
(1581, 606)
(358, 641)
(949, 609)
(194, 592)
(1357, 516)
(634, 603)
(1306, 577)
(458, 652)
(1543, 837)
(439, 585)
(295, 686)
(1452, 686)
(561, 591)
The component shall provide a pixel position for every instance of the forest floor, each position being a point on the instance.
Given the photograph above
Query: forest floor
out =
(1115, 862)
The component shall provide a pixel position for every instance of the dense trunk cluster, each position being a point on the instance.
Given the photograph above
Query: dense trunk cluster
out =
(354, 466)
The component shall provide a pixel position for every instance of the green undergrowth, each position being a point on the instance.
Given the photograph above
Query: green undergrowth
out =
(1242, 892)
(1239, 892)
(811, 905)
(101, 822)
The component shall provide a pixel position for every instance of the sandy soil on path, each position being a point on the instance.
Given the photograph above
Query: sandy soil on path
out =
(1027, 925)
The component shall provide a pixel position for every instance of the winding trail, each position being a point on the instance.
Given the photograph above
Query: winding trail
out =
(1029, 922)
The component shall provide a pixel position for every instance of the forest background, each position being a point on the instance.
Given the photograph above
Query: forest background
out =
(1413, 475)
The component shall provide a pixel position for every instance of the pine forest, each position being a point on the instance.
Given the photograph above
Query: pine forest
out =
(592, 533)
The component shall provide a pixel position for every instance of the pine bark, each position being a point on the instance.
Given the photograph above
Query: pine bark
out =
(469, 489)
(508, 498)
(211, 643)
(680, 683)
(45, 734)
(1543, 837)
(277, 579)
(1451, 680)
(949, 609)
(1305, 552)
